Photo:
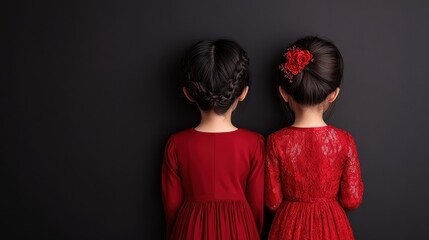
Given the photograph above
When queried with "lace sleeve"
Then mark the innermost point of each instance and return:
(172, 192)
(273, 190)
(351, 187)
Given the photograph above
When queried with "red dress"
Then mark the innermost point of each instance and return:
(312, 176)
(213, 185)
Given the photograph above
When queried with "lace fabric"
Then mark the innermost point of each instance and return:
(312, 175)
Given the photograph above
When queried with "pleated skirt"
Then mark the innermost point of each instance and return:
(213, 220)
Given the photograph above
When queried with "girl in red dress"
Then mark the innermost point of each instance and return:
(213, 174)
(312, 170)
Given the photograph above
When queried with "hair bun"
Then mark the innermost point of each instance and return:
(316, 80)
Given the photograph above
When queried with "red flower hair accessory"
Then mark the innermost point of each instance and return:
(296, 60)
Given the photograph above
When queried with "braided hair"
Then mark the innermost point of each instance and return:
(215, 74)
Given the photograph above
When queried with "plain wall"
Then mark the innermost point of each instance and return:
(90, 93)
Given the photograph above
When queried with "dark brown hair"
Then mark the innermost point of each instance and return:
(320, 77)
(215, 73)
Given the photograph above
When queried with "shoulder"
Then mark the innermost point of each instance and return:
(345, 139)
(342, 133)
(249, 138)
(279, 134)
(250, 134)
(181, 134)
(252, 142)
(178, 137)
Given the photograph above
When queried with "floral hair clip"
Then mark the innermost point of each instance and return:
(296, 60)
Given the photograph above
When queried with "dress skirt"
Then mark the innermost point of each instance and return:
(315, 220)
(219, 219)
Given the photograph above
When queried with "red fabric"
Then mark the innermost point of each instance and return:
(312, 175)
(213, 185)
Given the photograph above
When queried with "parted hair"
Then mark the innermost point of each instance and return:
(215, 74)
(320, 77)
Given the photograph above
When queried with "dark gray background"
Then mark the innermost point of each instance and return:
(89, 95)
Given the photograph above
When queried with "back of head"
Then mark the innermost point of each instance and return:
(215, 74)
(320, 77)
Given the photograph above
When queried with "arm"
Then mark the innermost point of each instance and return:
(273, 190)
(255, 184)
(172, 192)
(351, 186)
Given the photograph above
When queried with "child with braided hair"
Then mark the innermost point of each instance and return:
(212, 175)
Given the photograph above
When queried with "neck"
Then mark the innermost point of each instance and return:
(212, 122)
(309, 116)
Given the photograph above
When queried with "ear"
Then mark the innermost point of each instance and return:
(187, 95)
(333, 95)
(243, 94)
(284, 95)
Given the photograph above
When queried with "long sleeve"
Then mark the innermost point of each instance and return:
(351, 186)
(273, 189)
(255, 184)
(172, 191)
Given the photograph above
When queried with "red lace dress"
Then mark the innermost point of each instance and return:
(213, 185)
(312, 176)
